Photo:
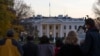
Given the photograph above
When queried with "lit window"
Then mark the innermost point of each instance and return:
(50, 34)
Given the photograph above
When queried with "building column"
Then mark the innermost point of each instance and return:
(54, 32)
(48, 30)
(61, 30)
(41, 32)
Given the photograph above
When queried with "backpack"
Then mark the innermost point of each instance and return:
(8, 49)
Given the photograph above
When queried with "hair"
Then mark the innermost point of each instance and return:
(59, 43)
(90, 22)
(44, 40)
(29, 38)
(10, 33)
(71, 38)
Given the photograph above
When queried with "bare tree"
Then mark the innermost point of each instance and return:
(22, 9)
(96, 8)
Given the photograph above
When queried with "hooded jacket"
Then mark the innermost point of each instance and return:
(10, 47)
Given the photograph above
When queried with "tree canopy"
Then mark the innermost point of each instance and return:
(10, 13)
(6, 16)
(22, 9)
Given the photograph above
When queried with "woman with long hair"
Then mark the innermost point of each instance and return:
(70, 48)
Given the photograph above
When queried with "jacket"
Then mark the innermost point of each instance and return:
(91, 45)
(30, 49)
(70, 50)
(45, 50)
(10, 47)
(56, 50)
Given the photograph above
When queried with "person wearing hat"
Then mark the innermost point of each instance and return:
(9, 46)
(30, 49)
(91, 45)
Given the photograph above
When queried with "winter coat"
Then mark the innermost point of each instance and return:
(45, 50)
(30, 49)
(70, 50)
(91, 45)
(10, 47)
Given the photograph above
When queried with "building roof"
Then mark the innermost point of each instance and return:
(59, 19)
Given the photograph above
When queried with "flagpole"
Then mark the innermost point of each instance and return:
(49, 9)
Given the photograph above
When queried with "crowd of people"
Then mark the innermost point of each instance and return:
(67, 47)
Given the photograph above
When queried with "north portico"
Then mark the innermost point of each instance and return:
(51, 30)
(55, 26)
(51, 27)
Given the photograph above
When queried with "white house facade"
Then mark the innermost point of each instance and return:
(55, 26)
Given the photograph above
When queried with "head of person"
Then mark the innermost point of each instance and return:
(10, 33)
(90, 23)
(29, 38)
(71, 38)
(59, 43)
(44, 40)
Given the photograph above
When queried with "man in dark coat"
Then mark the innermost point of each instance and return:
(91, 45)
(30, 49)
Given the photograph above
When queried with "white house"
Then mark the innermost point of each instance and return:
(55, 26)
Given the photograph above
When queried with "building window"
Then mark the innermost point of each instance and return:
(64, 34)
(76, 27)
(50, 27)
(70, 27)
(35, 27)
(56, 34)
(64, 26)
(44, 33)
(50, 34)
(43, 27)
(57, 27)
